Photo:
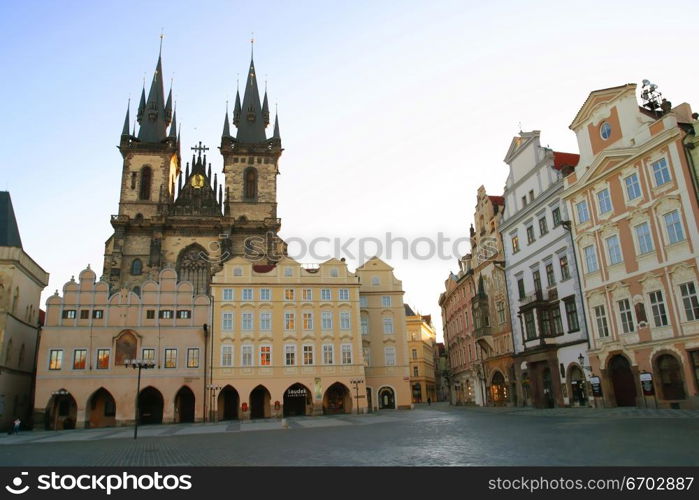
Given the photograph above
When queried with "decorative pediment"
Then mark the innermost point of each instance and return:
(519, 144)
(606, 161)
(598, 102)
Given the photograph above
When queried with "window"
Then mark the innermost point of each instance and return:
(327, 354)
(530, 235)
(556, 214)
(583, 214)
(250, 189)
(346, 350)
(308, 321)
(375, 281)
(674, 227)
(343, 294)
(601, 319)
(150, 314)
(565, 270)
(531, 195)
(365, 325)
(367, 356)
(327, 320)
(69, 314)
(515, 244)
(289, 354)
(136, 267)
(529, 325)
(625, 314)
(97, 314)
(363, 301)
(165, 314)
(170, 358)
(55, 359)
(247, 295)
(415, 371)
(226, 355)
(388, 325)
(289, 321)
(689, 300)
(389, 355)
(520, 288)
(184, 314)
(414, 352)
(237, 271)
(556, 322)
(550, 276)
(246, 355)
(193, 357)
(148, 354)
(645, 242)
(658, 307)
(591, 259)
(265, 355)
(386, 301)
(605, 131)
(500, 306)
(633, 187)
(307, 354)
(84, 314)
(572, 315)
(537, 282)
(102, 359)
(288, 272)
(265, 294)
(325, 294)
(227, 294)
(79, 359)
(661, 172)
(289, 294)
(307, 294)
(227, 323)
(344, 320)
(246, 321)
(543, 228)
(334, 273)
(265, 321)
(524, 201)
(604, 201)
(613, 249)
(144, 191)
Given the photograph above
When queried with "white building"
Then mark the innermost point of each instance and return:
(548, 325)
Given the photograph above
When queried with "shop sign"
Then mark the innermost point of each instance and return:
(647, 384)
(596, 387)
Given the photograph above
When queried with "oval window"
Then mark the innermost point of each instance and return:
(605, 130)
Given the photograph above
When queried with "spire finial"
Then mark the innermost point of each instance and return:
(252, 44)
(160, 52)
(237, 82)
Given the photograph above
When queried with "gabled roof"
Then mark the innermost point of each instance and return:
(561, 160)
(597, 97)
(9, 232)
(497, 200)
(408, 310)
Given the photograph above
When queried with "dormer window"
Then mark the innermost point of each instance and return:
(605, 130)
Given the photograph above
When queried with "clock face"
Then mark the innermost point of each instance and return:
(198, 181)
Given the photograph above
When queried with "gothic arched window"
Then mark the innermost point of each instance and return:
(146, 177)
(193, 266)
(136, 267)
(250, 182)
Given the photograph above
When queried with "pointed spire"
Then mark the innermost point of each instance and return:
(125, 129)
(215, 182)
(173, 126)
(236, 109)
(265, 108)
(251, 129)
(276, 126)
(226, 126)
(154, 121)
(168, 106)
(141, 105)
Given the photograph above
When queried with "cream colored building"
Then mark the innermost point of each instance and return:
(421, 346)
(21, 283)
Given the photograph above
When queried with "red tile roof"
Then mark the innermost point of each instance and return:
(561, 160)
(263, 268)
(497, 200)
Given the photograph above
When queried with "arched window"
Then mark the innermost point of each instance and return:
(136, 267)
(250, 181)
(146, 177)
(193, 266)
(137, 290)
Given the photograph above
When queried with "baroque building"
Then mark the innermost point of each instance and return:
(636, 228)
(421, 346)
(545, 298)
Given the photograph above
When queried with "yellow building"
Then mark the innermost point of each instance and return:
(421, 346)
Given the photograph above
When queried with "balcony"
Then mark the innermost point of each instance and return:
(482, 332)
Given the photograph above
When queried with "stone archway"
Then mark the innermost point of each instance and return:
(622, 379)
(387, 398)
(62, 411)
(337, 399)
(259, 402)
(576, 379)
(101, 409)
(184, 405)
(228, 403)
(669, 375)
(297, 401)
(150, 405)
(498, 389)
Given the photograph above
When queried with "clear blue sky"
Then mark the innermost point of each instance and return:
(392, 113)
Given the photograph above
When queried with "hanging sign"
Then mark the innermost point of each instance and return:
(647, 384)
(596, 387)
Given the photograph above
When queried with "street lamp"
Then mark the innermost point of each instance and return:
(356, 382)
(141, 364)
(212, 394)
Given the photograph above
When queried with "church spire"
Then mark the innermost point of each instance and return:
(226, 126)
(141, 105)
(173, 126)
(265, 109)
(236, 109)
(276, 127)
(125, 129)
(168, 106)
(251, 127)
(154, 120)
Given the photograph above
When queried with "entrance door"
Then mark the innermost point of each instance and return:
(417, 393)
(259, 402)
(498, 391)
(150, 404)
(369, 402)
(387, 399)
(228, 402)
(670, 373)
(577, 386)
(622, 381)
(548, 387)
(296, 400)
(184, 405)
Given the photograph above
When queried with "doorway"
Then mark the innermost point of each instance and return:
(259, 402)
(228, 403)
(622, 381)
(184, 405)
(297, 399)
(387, 399)
(150, 404)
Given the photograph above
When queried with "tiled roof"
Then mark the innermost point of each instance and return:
(497, 200)
(561, 160)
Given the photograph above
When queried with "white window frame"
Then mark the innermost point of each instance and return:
(265, 321)
(246, 355)
(644, 239)
(677, 233)
(289, 349)
(247, 321)
(227, 355)
(247, 295)
(326, 319)
(328, 354)
(345, 320)
(385, 301)
(614, 250)
(227, 295)
(591, 258)
(604, 201)
(580, 209)
(346, 354)
(227, 321)
(265, 294)
(389, 356)
(632, 185)
(308, 350)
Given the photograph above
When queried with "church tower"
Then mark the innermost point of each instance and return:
(182, 218)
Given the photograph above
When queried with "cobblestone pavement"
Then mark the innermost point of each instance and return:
(436, 435)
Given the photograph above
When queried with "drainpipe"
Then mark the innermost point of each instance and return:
(206, 344)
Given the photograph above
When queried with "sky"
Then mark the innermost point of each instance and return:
(392, 114)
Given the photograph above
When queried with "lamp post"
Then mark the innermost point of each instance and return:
(58, 395)
(212, 394)
(356, 382)
(141, 364)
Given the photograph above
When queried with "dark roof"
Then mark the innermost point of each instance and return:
(497, 200)
(251, 126)
(263, 268)
(561, 160)
(408, 310)
(9, 232)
